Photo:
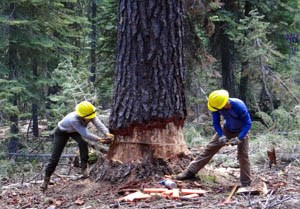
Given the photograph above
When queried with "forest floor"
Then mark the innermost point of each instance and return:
(275, 187)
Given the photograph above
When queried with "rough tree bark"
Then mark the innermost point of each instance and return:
(149, 103)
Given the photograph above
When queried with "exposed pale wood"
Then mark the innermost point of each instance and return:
(191, 196)
(134, 196)
(171, 138)
(175, 194)
(193, 191)
(248, 190)
(154, 190)
(168, 192)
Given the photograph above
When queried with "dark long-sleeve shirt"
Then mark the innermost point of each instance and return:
(237, 118)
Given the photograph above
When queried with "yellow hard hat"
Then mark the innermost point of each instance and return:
(217, 100)
(86, 110)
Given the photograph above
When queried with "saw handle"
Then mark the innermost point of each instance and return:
(234, 141)
(105, 140)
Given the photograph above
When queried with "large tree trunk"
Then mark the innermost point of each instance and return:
(149, 109)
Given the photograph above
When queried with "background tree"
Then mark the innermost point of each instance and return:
(34, 37)
(245, 71)
(224, 47)
(106, 50)
(149, 103)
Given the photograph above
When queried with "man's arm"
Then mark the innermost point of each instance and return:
(246, 125)
(216, 123)
(100, 126)
(84, 132)
(245, 118)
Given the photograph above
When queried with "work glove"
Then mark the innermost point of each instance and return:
(109, 136)
(222, 140)
(234, 141)
(105, 141)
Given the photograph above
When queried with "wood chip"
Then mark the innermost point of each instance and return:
(248, 190)
(155, 190)
(175, 194)
(191, 196)
(134, 196)
(193, 191)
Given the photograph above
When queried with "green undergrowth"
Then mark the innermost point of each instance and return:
(195, 134)
(284, 143)
(207, 178)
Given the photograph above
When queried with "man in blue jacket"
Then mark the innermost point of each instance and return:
(237, 123)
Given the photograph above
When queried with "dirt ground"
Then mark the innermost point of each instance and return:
(276, 187)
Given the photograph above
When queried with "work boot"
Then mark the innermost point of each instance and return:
(85, 170)
(44, 185)
(186, 174)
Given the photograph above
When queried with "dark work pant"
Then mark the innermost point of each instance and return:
(60, 141)
(213, 147)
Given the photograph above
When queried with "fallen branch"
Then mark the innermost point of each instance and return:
(280, 202)
(16, 186)
(39, 156)
(268, 199)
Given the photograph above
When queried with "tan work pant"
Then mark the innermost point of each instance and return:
(213, 147)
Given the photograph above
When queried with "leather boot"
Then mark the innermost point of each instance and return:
(186, 174)
(44, 185)
(85, 170)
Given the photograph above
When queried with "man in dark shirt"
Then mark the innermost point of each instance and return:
(237, 123)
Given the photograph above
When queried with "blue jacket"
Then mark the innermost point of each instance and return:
(237, 118)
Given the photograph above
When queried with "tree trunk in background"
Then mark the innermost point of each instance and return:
(35, 120)
(227, 54)
(93, 61)
(244, 81)
(245, 65)
(228, 78)
(13, 118)
(13, 138)
(34, 105)
(149, 102)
